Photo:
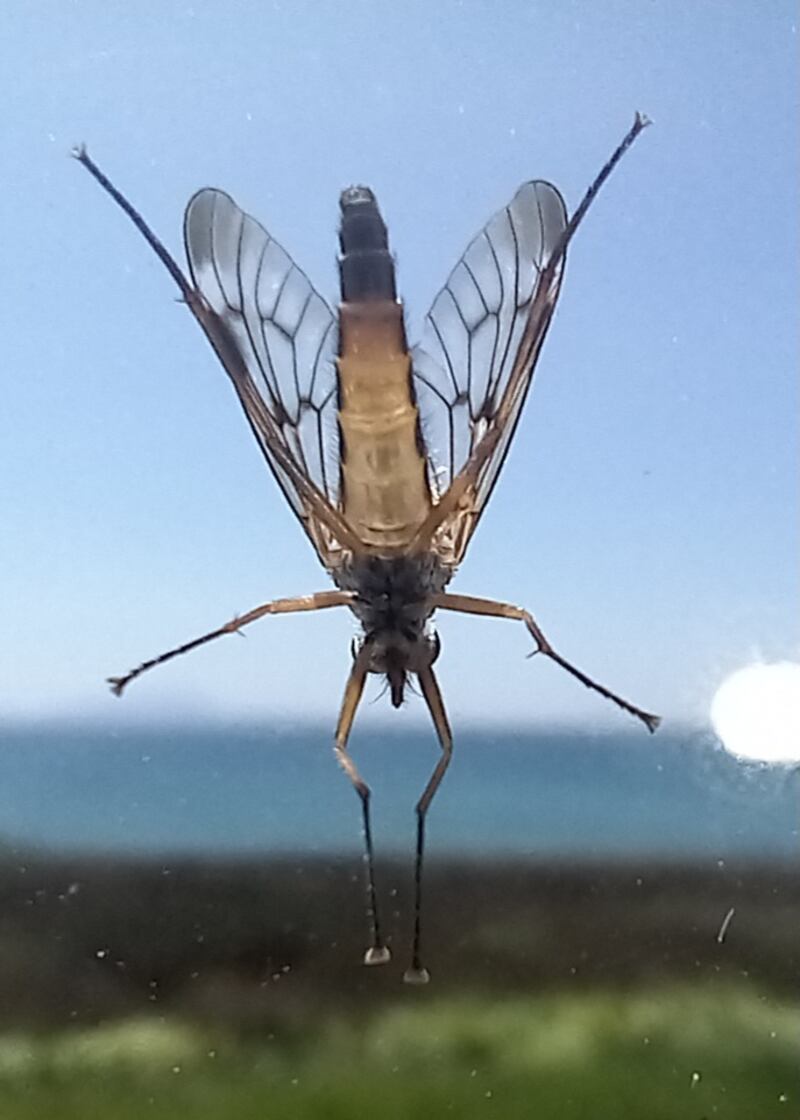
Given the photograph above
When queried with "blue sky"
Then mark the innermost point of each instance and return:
(647, 514)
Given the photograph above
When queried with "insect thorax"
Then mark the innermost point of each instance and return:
(393, 594)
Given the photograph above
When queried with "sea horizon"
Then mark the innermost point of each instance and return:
(246, 788)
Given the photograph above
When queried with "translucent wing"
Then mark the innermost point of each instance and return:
(482, 336)
(286, 337)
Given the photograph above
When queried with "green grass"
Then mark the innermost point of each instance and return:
(664, 1054)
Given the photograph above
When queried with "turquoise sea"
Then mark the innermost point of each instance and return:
(248, 790)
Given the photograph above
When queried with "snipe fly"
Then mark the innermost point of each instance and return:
(387, 455)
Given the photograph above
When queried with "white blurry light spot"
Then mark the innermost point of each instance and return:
(756, 712)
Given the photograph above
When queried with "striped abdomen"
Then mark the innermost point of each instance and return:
(385, 492)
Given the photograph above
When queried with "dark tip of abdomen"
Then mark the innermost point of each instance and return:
(362, 227)
(356, 196)
(366, 265)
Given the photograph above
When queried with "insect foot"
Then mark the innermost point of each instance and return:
(378, 954)
(416, 975)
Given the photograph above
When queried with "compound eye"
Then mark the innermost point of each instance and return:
(355, 647)
(435, 646)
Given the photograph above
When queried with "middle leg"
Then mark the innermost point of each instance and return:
(470, 604)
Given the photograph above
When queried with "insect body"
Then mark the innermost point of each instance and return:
(384, 489)
(386, 455)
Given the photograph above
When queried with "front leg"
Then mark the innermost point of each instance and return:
(469, 604)
(377, 953)
(416, 973)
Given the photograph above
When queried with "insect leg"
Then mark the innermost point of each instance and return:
(469, 604)
(315, 602)
(163, 254)
(377, 953)
(417, 973)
